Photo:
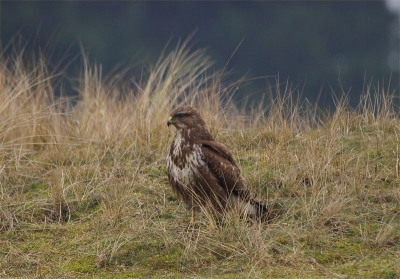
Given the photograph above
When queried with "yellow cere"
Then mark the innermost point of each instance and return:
(170, 118)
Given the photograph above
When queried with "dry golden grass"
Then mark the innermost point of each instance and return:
(83, 188)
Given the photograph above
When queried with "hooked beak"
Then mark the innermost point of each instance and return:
(169, 122)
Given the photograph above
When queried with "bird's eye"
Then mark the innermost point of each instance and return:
(179, 115)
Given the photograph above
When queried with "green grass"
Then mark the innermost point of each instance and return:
(84, 192)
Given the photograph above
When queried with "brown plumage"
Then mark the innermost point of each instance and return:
(202, 172)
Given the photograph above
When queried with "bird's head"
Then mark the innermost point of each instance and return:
(185, 117)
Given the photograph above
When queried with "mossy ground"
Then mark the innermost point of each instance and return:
(132, 225)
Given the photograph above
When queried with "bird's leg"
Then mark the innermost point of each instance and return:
(189, 219)
(192, 221)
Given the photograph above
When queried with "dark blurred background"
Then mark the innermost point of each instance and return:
(311, 44)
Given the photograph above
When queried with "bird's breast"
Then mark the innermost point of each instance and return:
(184, 160)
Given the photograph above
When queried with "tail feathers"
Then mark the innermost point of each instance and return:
(254, 209)
(263, 212)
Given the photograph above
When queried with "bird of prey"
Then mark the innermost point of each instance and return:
(202, 171)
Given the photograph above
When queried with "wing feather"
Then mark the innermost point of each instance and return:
(221, 163)
(220, 149)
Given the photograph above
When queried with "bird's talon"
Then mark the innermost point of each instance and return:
(210, 228)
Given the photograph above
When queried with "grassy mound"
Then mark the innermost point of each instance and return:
(84, 193)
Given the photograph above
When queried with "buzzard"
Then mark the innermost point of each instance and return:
(202, 171)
